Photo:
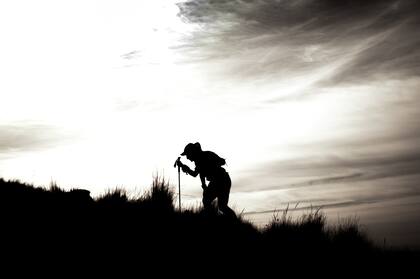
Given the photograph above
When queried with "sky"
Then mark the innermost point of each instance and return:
(312, 103)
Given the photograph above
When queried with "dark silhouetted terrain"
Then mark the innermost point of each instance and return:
(57, 227)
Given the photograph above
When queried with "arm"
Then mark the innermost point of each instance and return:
(203, 182)
(194, 173)
(187, 170)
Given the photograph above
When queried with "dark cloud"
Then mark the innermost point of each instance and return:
(16, 138)
(328, 180)
(325, 17)
(379, 35)
(285, 14)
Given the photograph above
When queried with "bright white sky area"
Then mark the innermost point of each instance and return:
(307, 108)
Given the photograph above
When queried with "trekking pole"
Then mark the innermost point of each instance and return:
(177, 162)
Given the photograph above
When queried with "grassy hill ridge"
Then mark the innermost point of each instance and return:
(113, 226)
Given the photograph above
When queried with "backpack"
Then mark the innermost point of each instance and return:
(214, 159)
(221, 162)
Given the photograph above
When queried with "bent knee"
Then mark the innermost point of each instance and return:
(207, 202)
(224, 208)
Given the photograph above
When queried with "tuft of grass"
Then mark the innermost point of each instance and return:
(54, 188)
(305, 232)
(349, 234)
(113, 197)
(161, 196)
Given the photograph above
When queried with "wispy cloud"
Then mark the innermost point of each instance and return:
(325, 170)
(27, 137)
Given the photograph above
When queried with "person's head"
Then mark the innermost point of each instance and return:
(192, 150)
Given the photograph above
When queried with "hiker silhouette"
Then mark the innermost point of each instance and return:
(209, 166)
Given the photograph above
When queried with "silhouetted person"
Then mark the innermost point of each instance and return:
(209, 166)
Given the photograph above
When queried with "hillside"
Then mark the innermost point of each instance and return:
(70, 225)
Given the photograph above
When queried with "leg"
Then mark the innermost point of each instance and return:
(222, 201)
(223, 198)
(208, 197)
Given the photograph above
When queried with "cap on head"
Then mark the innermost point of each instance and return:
(191, 148)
